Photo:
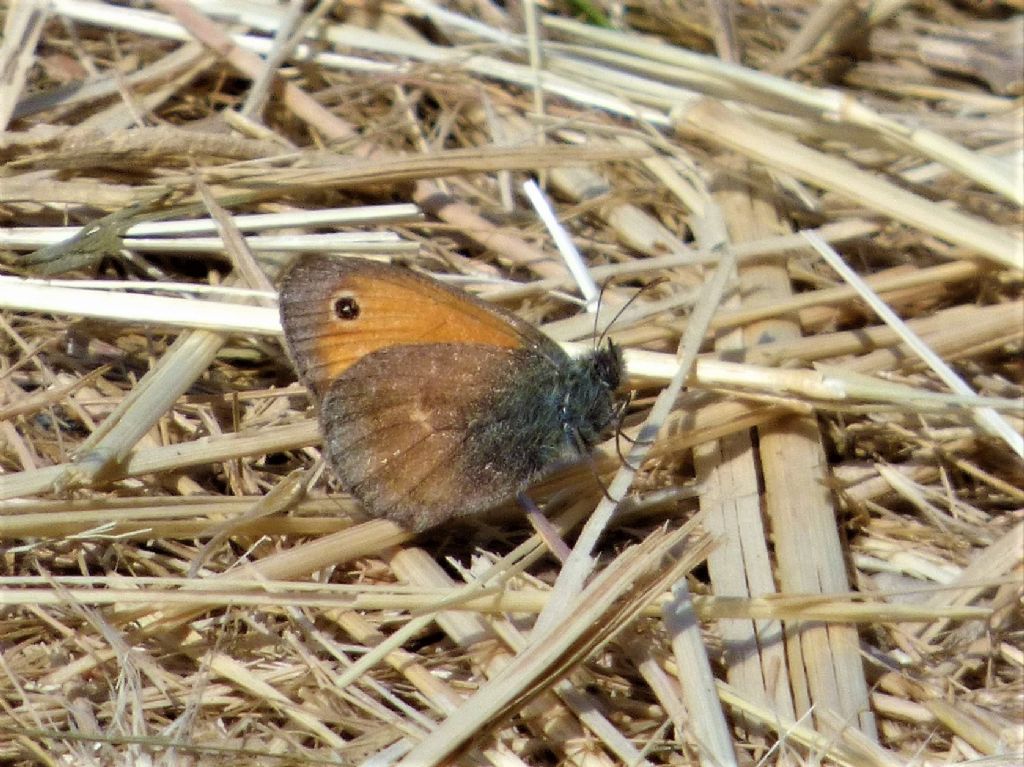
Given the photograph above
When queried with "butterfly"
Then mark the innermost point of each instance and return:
(432, 403)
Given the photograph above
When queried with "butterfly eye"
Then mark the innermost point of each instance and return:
(346, 307)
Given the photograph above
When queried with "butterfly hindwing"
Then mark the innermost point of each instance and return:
(427, 432)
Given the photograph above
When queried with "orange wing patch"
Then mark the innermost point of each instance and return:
(335, 312)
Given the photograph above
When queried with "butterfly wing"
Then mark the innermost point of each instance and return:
(336, 311)
(433, 403)
(426, 432)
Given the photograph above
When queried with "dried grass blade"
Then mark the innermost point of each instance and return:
(606, 606)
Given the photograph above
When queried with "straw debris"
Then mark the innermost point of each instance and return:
(813, 554)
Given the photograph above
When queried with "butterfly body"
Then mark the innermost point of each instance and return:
(432, 403)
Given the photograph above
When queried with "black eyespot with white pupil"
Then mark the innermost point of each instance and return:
(346, 307)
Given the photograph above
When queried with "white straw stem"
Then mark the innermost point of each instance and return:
(564, 243)
(987, 418)
(23, 295)
(39, 236)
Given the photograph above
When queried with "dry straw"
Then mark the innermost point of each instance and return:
(803, 545)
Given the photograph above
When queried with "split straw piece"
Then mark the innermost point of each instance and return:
(830, 104)
(713, 121)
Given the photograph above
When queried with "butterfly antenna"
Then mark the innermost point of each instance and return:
(623, 308)
(597, 312)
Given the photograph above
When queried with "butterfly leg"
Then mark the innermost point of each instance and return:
(542, 525)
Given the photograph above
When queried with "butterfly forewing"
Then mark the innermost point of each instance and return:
(335, 312)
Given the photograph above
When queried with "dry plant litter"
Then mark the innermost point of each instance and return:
(813, 552)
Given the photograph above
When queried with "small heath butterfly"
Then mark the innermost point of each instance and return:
(434, 404)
